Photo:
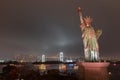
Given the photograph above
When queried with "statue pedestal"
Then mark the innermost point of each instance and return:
(93, 70)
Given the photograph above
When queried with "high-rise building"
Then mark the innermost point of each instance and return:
(43, 58)
(61, 57)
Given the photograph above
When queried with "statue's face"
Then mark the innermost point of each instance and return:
(88, 20)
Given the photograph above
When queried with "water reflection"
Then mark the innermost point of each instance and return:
(63, 68)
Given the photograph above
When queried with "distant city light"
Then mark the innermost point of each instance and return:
(43, 58)
(2, 61)
(69, 61)
(61, 56)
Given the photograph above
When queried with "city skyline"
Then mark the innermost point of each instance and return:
(49, 27)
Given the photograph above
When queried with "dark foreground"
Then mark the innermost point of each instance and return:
(26, 73)
(30, 73)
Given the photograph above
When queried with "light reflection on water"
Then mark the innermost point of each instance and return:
(61, 67)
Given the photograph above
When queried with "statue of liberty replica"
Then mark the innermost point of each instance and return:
(90, 38)
(91, 69)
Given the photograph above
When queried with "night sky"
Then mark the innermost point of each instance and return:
(49, 26)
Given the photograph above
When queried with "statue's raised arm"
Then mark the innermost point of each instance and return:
(82, 24)
(80, 14)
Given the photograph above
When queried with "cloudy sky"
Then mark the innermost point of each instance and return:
(49, 26)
